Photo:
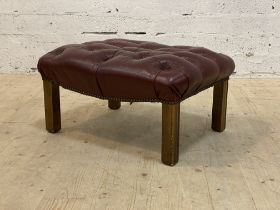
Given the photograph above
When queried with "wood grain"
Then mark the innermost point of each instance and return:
(106, 159)
(170, 133)
(52, 106)
(219, 109)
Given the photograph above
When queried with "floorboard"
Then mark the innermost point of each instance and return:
(106, 159)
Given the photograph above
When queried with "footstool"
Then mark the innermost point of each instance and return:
(137, 71)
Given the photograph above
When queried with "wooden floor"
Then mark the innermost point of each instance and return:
(105, 159)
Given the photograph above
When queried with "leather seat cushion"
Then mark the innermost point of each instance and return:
(131, 70)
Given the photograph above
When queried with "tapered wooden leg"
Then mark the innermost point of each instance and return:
(52, 106)
(114, 104)
(170, 133)
(219, 106)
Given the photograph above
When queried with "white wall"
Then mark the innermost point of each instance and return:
(249, 31)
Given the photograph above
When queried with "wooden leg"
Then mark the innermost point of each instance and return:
(52, 106)
(114, 104)
(219, 106)
(170, 133)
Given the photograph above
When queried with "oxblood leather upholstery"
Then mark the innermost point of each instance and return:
(131, 70)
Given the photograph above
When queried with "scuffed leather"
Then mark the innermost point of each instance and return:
(131, 70)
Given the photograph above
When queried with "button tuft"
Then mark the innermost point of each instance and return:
(164, 65)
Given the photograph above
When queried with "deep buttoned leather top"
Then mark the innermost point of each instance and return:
(130, 70)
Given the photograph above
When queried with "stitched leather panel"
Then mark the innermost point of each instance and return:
(135, 70)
